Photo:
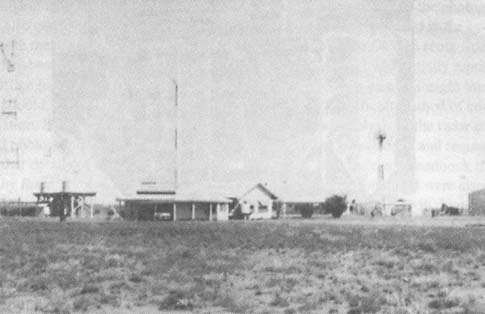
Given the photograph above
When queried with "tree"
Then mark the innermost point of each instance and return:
(335, 205)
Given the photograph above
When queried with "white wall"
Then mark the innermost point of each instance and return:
(222, 212)
(250, 203)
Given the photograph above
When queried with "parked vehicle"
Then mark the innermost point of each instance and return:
(164, 216)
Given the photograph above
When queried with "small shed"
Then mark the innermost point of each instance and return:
(258, 203)
(476, 203)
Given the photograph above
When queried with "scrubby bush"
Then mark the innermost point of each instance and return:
(335, 205)
(306, 210)
(371, 303)
(443, 303)
(176, 300)
(81, 304)
(89, 288)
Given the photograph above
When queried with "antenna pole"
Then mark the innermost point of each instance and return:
(175, 174)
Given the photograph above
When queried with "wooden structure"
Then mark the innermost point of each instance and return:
(66, 203)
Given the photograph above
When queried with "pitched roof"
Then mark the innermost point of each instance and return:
(263, 189)
(220, 192)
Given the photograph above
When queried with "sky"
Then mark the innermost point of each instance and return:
(249, 78)
(285, 92)
(280, 92)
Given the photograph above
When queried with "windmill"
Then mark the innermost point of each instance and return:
(381, 137)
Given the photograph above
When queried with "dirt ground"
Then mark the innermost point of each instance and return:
(350, 265)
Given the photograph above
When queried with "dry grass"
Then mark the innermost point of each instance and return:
(258, 267)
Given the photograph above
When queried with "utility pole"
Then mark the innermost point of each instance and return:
(175, 174)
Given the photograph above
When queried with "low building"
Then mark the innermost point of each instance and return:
(476, 203)
(171, 206)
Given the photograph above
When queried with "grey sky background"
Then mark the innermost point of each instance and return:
(286, 92)
(249, 75)
(258, 82)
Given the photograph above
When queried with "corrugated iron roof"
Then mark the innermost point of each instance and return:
(222, 191)
(178, 198)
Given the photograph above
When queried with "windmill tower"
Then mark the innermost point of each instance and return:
(381, 137)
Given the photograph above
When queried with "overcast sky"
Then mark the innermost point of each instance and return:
(280, 91)
(259, 83)
(250, 87)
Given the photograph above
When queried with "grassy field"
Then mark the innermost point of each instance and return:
(292, 266)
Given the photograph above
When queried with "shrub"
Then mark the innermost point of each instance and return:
(306, 210)
(335, 205)
(279, 301)
(135, 278)
(443, 303)
(109, 299)
(176, 300)
(39, 283)
(81, 304)
(289, 311)
(89, 288)
(371, 303)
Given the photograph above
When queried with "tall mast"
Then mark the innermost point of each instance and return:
(175, 173)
